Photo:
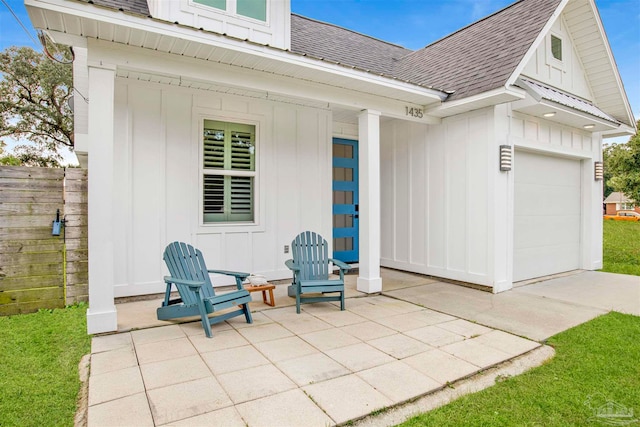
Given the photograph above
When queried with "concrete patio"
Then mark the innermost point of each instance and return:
(327, 367)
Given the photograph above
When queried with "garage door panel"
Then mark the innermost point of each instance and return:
(547, 215)
(545, 260)
(546, 170)
(562, 230)
(545, 199)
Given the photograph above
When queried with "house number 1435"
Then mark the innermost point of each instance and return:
(414, 112)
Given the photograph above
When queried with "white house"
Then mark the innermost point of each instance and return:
(234, 125)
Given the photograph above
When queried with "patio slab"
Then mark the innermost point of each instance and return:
(330, 366)
(289, 409)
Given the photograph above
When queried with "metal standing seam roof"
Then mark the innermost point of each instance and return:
(563, 98)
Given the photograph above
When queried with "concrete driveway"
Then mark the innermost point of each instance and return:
(537, 310)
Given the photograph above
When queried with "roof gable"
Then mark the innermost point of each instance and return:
(617, 197)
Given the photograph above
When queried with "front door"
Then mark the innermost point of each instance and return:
(345, 200)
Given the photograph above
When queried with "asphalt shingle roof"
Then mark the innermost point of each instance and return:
(336, 44)
(473, 60)
(482, 56)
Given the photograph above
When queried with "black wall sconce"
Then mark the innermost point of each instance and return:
(598, 171)
(506, 155)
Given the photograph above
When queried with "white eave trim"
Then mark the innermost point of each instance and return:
(152, 25)
(493, 97)
(622, 130)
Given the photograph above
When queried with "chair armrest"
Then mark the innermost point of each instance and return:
(193, 284)
(230, 273)
(341, 265)
(240, 277)
(291, 265)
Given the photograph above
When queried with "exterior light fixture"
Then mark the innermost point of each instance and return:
(549, 114)
(598, 170)
(505, 157)
(590, 126)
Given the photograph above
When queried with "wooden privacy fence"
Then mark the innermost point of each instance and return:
(39, 270)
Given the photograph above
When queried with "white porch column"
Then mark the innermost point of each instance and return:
(101, 316)
(369, 279)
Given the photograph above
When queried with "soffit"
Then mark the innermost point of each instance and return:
(590, 42)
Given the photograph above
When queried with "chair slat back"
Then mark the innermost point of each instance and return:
(186, 262)
(311, 255)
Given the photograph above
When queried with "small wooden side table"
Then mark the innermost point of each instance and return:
(264, 288)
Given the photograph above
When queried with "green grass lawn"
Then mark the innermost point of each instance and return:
(39, 355)
(621, 247)
(597, 360)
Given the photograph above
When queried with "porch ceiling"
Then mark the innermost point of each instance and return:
(88, 21)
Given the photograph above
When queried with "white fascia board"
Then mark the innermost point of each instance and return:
(493, 97)
(156, 26)
(623, 130)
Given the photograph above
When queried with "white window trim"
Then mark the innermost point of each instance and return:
(259, 220)
(551, 60)
(231, 11)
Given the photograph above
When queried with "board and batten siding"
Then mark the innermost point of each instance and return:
(157, 184)
(567, 74)
(435, 197)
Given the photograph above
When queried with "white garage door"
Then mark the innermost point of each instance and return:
(547, 215)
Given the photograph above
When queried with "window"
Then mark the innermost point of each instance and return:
(556, 47)
(228, 172)
(256, 9)
(218, 4)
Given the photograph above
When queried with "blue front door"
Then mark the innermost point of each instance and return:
(345, 200)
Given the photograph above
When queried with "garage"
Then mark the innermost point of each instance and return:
(547, 215)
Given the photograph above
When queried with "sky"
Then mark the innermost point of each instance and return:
(414, 24)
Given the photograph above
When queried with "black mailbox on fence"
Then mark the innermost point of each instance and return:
(57, 224)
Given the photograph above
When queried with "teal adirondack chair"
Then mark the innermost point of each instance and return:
(310, 267)
(197, 297)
